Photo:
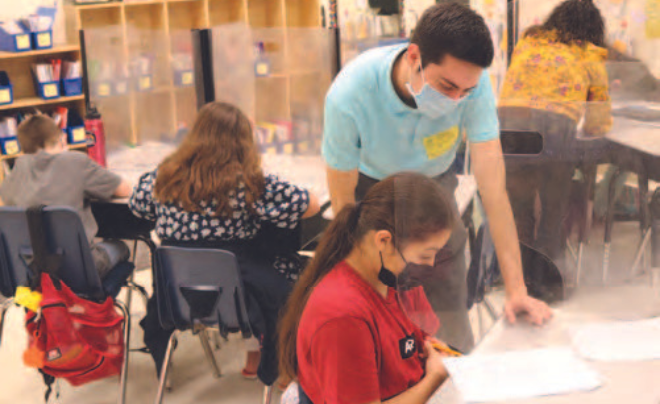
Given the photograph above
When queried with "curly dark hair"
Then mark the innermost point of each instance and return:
(575, 21)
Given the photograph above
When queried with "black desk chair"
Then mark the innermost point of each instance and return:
(65, 235)
(198, 290)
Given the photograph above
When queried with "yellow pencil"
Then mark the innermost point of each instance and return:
(445, 349)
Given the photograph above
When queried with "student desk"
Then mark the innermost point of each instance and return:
(635, 148)
(623, 382)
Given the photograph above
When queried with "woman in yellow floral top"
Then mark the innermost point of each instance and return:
(557, 76)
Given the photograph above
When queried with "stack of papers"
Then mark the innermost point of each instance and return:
(619, 341)
(521, 374)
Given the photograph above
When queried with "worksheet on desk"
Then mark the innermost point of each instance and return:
(521, 374)
(619, 340)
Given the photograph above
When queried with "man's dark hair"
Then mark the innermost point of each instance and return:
(575, 21)
(451, 28)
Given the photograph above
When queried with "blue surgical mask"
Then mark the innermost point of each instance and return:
(430, 101)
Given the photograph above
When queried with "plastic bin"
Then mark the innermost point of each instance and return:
(15, 42)
(42, 39)
(71, 87)
(9, 145)
(6, 89)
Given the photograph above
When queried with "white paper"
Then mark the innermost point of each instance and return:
(521, 374)
(619, 340)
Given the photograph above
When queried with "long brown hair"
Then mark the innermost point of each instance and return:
(410, 206)
(217, 156)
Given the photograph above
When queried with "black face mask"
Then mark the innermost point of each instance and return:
(385, 275)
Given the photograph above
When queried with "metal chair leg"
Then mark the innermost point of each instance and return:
(641, 252)
(578, 273)
(4, 306)
(166, 368)
(127, 344)
(490, 310)
(204, 339)
(268, 394)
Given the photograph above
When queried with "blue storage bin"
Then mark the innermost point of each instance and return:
(15, 43)
(71, 87)
(184, 78)
(6, 89)
(9, 145)
(42, 39)
(48, 90)
(76, 135)
(145, 83)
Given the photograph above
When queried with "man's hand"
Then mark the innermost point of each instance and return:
(534, 311)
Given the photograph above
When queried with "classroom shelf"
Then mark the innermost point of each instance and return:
(14, 156)
(36, 102)
(159, 30)
(55, 50)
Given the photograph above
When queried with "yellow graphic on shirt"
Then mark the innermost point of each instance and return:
(440, 143)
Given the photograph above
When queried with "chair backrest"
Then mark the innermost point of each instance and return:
(14, 242)
(521, 143)
(179, 269)
(482, 265)
(66, 235)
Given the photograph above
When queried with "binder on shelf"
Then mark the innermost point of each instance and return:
(6, 89)
(75, 130)
(71, 87)
(18, 42)
(42, 39)
(8, 142)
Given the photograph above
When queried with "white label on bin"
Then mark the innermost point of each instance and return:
(104, 90)
(262, 69)
(22, 42)
(43, 40)
(145, 82)
(5, 96)
(79, 135)
(271, 150)
(11, 147)
(187, 78)
(288, 148)
(50, 90)
(303, 146)
(121, 87)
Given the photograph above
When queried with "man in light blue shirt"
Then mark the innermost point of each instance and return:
(405, 108)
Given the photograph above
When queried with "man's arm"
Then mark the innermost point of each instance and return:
(341, 185)
(488, 166)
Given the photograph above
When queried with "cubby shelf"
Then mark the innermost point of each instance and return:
(161, 28)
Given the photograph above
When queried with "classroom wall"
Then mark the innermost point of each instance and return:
(10, 9)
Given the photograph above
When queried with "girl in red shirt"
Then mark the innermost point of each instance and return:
(344, 335)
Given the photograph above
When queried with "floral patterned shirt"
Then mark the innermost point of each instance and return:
(282, 204)
(566, 79)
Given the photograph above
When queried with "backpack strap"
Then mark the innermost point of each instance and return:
(42, 259)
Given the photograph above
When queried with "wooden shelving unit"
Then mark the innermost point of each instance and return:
(121, 32)
(18, 66)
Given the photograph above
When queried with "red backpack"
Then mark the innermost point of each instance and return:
(76, 339)
(70, 337)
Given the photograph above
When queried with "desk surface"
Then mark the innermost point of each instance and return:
(641, 136)
(633, 382)
(306, 171)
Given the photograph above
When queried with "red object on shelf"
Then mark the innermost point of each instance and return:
(94, 128)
